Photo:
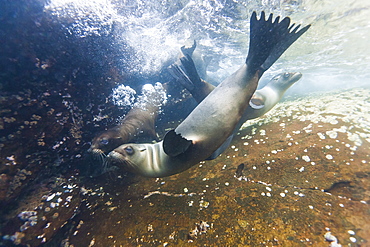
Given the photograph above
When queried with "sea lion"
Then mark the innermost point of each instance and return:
(213, 121)
(200, 60)
(261, 102)
(136, 122)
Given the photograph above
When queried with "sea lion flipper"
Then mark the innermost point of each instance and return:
(269, 40)
(178, 73)
(186, 73)
(174, 144)
(189, 50)
(188, 67)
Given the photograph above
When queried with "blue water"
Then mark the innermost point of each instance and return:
(147, 35)
(94, 48)
(333, 54)
(104, 44)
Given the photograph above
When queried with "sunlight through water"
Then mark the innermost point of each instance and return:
(333, 54)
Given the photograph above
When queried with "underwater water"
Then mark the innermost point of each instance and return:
(71, 69)
(334, 50)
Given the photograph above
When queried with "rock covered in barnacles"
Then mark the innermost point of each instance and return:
(200, 228)
(38, 225)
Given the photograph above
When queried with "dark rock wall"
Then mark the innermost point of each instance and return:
(52, 86)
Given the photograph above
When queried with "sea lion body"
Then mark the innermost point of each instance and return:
(266, 98)
(213, 121)
(261, 102)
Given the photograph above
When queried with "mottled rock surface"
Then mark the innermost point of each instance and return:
(306, 171)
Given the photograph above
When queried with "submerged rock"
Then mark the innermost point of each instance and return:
(44, 215)
(279, 204)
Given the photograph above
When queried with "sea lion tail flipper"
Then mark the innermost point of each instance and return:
(269, 39)
(180, 75)
(186, 73)
(188, 66)
(177, 69)
(174, 144)
(189, 50)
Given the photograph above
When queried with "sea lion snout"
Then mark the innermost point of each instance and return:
(94, 150)
(296, 76)
(114, 157)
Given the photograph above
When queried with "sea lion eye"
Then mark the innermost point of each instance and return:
(286, 75)
(129, 150)
(104, 141)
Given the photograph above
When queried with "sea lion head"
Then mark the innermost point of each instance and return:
(131, 157)
(283, 81)
(264, 99)
(102, 144)
(106, 141)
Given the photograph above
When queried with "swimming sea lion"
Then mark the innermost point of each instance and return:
(213, 121)
(261, 102)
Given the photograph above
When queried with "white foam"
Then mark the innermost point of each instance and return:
(123, 96)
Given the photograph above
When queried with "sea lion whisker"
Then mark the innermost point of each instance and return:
(105, 165)
(103, 158)
(126, 163)
(95, 152)
(98, 156)
(106, 168)
(130, 163)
